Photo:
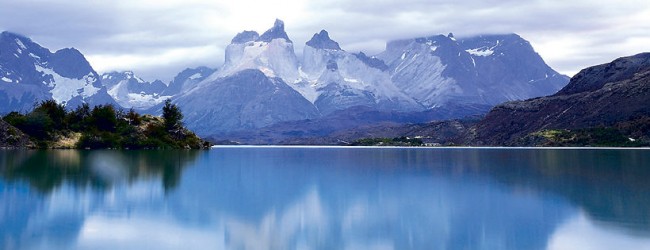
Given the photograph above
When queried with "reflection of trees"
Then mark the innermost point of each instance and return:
(610, 185)
(46, 170)
(166, 164)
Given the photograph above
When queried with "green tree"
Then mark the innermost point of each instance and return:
(78, 119)
(15, 119)
(104, 118)
(56, 112)
(38, 125)
(172, 116)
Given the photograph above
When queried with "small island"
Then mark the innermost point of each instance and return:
(51, 126)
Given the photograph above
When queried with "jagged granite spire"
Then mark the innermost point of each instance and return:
(276, 32)
(245, 36)
(322, 40)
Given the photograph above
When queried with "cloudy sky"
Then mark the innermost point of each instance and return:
(158, 38)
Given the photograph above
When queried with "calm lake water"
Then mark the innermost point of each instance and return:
(326, 198)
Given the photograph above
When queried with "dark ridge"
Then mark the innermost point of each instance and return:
(372, 62)
(276, 32)
(322, 40)
(245, 36)
(596, 77)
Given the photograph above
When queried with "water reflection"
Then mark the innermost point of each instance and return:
(46, 170)
(289, 198)
(610, 185)
(46, 196)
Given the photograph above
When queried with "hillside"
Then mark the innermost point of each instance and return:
(609, 96)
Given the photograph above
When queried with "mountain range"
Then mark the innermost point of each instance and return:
(264, 84)
(602, 105)
(30, 73)
(430, 76)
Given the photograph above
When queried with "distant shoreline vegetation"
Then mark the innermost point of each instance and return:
(585, 137)
(50, 126)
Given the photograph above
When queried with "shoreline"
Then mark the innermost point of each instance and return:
(399, 147)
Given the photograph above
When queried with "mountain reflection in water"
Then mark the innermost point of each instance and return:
(331, 198)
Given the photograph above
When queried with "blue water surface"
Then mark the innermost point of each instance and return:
(325, 198)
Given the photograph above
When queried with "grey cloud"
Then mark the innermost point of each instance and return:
(58, 23)
(130, 28)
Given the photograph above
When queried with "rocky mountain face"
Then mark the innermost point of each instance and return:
(333, 79)
(611, 94)
(440, 69)
(245, 100)
(30, 73)
(186, 80)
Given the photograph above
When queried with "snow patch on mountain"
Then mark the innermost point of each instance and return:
(306, 86)
(64, 89)
(21, 45)
(131, 91)
(120, 92)
(481, 51)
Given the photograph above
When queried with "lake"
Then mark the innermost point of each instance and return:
(326, 198)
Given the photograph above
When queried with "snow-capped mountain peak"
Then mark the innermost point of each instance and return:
(131, 91)
(37, 74)
(272, 53)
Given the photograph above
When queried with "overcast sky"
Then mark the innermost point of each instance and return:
(158, 38)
